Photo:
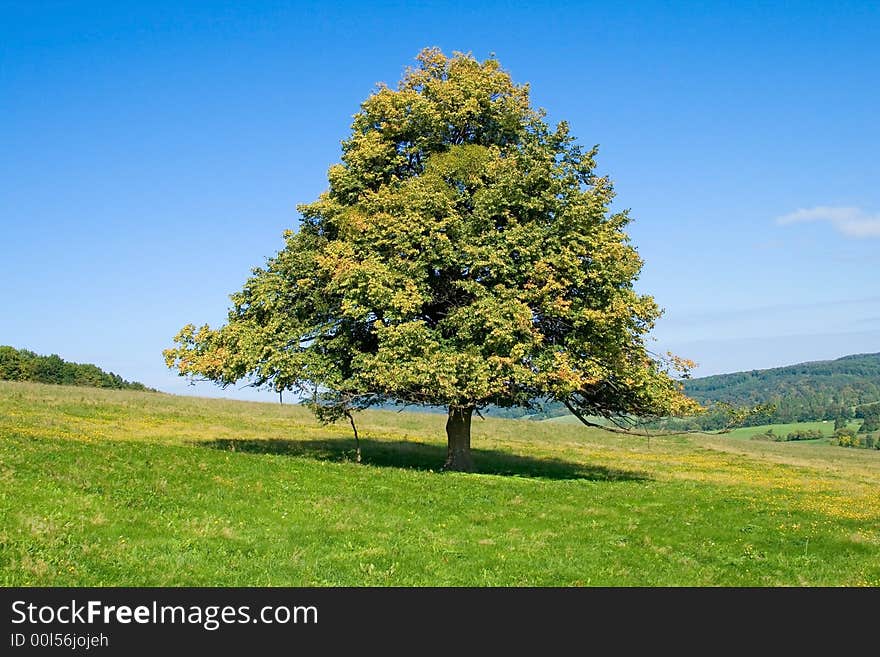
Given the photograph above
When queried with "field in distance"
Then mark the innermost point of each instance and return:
(124, 488)
(826, 427)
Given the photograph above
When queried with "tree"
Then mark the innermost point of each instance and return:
(49, 369)
(465, 254)
(871, 419)
(10, 364)
(739, 416)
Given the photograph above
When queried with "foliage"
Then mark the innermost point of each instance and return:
(24, 365)
(871, 416)
(797, 434)
(742, 416)
(805, 434)
(767, 435)
(465, 255)
(845, 437)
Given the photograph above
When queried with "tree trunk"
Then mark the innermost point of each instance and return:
(458, 433)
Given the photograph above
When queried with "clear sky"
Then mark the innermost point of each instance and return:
(151, 153)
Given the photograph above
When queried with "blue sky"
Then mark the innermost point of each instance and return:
(152, 153)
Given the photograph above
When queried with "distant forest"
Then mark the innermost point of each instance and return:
(847, 388)
(23, 365)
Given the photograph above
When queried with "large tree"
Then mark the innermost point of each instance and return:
(464, 255)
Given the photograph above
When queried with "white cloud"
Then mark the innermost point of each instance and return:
(852, 222)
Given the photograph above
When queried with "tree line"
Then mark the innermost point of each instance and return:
(24, 365)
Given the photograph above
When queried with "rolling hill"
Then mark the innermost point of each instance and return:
(125, 488)
(816, 390)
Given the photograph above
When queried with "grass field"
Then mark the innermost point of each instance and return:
(127, 488)
(826, 427)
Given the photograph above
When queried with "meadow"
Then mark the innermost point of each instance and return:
(126, 488)
(824, 426)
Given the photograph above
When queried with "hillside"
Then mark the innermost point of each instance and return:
(806, 391)
(112, 487)
(816, 390)
(849, 380)
(24, 365)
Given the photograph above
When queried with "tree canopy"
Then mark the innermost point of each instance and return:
(465, 254)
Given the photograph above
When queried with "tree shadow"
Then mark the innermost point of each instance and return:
(420, 456)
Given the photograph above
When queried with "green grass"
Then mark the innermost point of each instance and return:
(826, 427)
(106, 488)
